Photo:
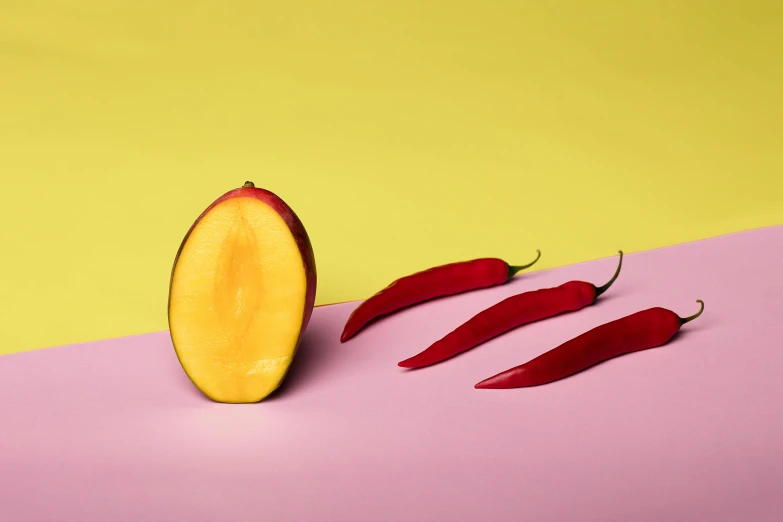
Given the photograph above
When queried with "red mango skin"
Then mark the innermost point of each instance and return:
(440, 281)
(294, 225)
(506, 315)
(646, 329)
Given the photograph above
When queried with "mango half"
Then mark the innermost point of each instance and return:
(241, 294)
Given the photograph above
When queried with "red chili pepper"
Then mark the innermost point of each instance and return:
(440, 281)
(640, 331)
(508, 314)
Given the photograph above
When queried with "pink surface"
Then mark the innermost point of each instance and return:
(114, 431)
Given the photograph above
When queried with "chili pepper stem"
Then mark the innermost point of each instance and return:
(684, 320)
(601, 289)
(512, 270)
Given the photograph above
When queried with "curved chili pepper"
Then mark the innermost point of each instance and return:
(440, 281)
(640, 331)
(511, 313)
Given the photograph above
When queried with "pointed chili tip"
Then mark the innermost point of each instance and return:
(684, 320)
(512, 270)
(483, 385)
(491, 383)
(417, 361)
(601, 289)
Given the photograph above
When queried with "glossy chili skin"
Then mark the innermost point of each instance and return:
(508, 314)
(440, 281)
(646, 329)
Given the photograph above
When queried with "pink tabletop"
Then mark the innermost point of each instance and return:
(692, 431)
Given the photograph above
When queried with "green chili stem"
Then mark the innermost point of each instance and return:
(248, 184)
(514, 269)
(601, 289)
(684, 320)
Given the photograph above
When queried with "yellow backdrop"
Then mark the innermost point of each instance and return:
(405, 134)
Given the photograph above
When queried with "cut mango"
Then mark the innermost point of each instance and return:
(241, 294)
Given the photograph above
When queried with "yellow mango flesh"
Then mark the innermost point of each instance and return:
(237, 301)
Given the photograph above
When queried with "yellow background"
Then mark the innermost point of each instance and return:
(405, 134)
